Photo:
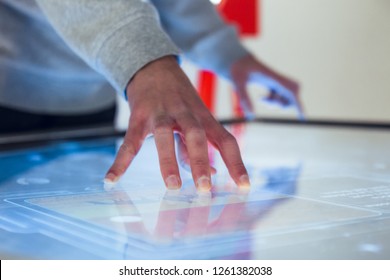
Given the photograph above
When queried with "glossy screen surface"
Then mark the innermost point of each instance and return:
(317, 193)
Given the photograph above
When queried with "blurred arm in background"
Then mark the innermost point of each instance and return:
(199, 31)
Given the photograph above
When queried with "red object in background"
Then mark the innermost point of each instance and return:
(207, 83)
(243, 14)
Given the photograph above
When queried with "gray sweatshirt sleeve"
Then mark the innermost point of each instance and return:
(196, 27)
(115, 37)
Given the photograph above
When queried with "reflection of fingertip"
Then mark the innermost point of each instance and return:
(172, 193)
(110, 181)
(108, 185)
(243, 191)
(203, 198)
(203, 191)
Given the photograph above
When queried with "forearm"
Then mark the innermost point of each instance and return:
(115, 37)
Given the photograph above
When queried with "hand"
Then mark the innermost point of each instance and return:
(162, 101)
(283, 91)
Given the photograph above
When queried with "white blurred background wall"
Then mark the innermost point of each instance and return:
(339, 50)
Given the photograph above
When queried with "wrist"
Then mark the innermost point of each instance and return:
(154, 67)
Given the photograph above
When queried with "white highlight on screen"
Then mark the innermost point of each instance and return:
(372, 248)
(216, 2)
(125, 219)
(32, 181)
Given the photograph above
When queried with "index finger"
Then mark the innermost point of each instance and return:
(128, 150)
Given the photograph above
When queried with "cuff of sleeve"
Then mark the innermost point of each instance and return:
(130, 48)
(218, 51)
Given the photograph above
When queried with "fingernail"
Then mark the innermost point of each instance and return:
(244, 182)
(111, 178)
(203, 184)
(172, 182)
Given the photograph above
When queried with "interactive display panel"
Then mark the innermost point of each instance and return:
(317, 193)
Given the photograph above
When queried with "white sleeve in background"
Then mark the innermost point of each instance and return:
(115, 37)
(198, 30)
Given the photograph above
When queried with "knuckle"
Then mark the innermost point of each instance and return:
(188, 119)
(162, 119)
(162, 122)
(118, 169)
(197, 139)
(112, 170)
(239, 167)
(181, 109)
(139, 115)
(182, 112)
(167, 162)
(226, 139)
(199, 163)
(196, 131)
(161, 130)
(128, 148)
